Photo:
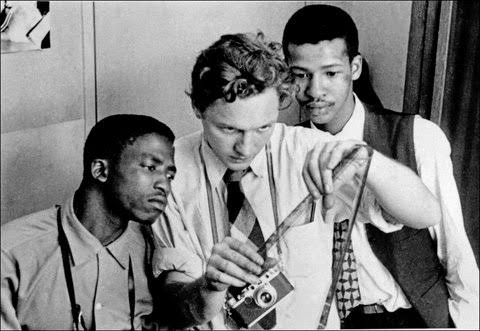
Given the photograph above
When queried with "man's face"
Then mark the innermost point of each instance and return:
(139, 182)
(325, 76)
(237, 131)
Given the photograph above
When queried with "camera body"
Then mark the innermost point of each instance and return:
(257, 300)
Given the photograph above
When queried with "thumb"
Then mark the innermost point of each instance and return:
(328, 201)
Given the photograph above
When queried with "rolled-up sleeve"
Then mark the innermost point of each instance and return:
(9, 319)
(174, 249)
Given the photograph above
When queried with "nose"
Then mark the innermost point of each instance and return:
(245, 144)
(162, 183)
(316, 87)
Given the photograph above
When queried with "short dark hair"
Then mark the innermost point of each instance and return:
(315, 23)
(112, 134)
(238, 65)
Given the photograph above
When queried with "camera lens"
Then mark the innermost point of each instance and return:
(265, 296)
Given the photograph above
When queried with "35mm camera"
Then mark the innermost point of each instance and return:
(257, 300)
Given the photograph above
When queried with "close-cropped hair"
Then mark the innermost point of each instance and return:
(315, 23)
(112, 134)
(238, 66)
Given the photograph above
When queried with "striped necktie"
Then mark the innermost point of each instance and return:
(242, 217)
(240, 213)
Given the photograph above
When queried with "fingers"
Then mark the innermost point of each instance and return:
(308, 173)
(269, 263)
(312, 173)
(233, 263)
(319, 165)
(328, 201)
(316, 173)
(220, 281)
(244, 249)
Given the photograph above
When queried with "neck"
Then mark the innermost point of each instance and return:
(90, 207)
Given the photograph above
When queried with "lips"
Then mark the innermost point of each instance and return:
(319, 105)
(159, 201)
(239, 158)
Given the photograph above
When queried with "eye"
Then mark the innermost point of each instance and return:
(170, 175)
(301, 75)
(149, 167)
(331, 73)
(264, 128)
(228, 130)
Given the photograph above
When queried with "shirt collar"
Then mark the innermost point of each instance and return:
(259, 163)
(353, 129)
(85, 246)
(216, 168)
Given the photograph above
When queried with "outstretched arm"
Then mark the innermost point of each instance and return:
(400, 192)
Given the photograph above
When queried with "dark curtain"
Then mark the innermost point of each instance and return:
(460, 110)
(422, 47)
(460, 118)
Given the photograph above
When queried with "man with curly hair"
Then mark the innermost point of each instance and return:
(241, 175)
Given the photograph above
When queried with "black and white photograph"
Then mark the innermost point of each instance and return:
(233, 165)
(25, 25)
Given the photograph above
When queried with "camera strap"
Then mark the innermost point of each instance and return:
(77, 315)
(338, 266)
(67, 258)
(273, 194)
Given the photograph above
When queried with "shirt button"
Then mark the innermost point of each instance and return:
(98, 306)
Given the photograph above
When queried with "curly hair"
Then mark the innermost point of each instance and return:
(239, 65)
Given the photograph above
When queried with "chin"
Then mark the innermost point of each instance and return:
(321, 119)
(144, 221)
(237, 166)
(148, 218)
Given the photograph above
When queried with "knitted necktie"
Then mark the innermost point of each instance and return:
(242, 217)
(347, 291)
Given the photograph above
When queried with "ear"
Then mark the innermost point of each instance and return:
(99, 170)
(356, 66)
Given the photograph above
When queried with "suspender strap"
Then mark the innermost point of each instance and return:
(211, 207)
(273, 193)
(66, 257)
(338, 266)
(131, 293)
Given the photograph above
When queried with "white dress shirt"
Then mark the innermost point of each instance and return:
(186, 234)
(434, 166)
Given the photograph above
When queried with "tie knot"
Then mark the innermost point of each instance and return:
(234, 175)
